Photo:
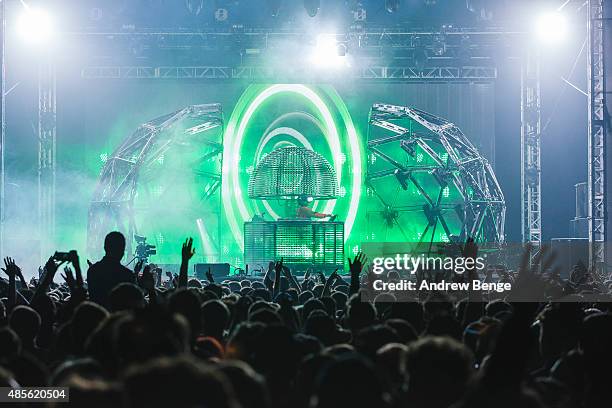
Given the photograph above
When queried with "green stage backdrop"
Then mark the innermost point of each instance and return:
(328, 118)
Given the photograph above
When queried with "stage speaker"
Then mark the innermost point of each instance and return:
(219, 270)
(568, 252)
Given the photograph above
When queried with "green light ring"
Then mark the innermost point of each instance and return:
(235, 133)
(356, 154)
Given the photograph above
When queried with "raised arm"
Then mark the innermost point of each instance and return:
(50, 269)
(355, 267)
(11, 270)
(187, 252)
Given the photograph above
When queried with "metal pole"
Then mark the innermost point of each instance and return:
(2, 118)
(531, 204)
(596, 136)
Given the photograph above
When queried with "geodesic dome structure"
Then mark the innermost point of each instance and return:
(289, 172)
(428, 182)
(164, 177)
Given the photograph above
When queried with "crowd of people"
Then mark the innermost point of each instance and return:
(132, 338)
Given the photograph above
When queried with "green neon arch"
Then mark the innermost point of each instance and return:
(251, 100)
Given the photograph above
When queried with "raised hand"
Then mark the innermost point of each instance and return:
(188, 250)
(321, 276)
(11, 268)
(69, 278)
(78, 293)
(209, 276)
(356, 265)
(278, 267)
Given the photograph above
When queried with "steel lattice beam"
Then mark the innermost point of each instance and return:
(531, 204)
(46, 156)
(596, 134)
(472, 73)
(2, 118)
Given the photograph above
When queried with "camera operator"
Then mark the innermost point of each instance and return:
(107, 273)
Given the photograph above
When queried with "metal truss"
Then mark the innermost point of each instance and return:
(597, 134)
(2, 118)
(483, 210)
(46, 156)
(531, 204)
(472, 73)
(112, 205)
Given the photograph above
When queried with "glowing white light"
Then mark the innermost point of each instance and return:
(35, 26)
(326, 52)
(551, 27)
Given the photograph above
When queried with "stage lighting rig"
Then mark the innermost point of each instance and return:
(409, 146)
(358, 11)
(439, 45)
(329, 52)
(551, 27)
(274, 6)
(392, 5)
(420, 58)
(312, 7)
(221, 14)
(194, 6)
(35, 25)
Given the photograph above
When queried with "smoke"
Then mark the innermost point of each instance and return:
(24, 237)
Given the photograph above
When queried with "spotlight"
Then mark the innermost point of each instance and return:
(409, 146)
(442, 176)
(35, 26)
(194, 6)
(328, 52)
(221, 14)
(551, 27)
(402, 178)
(274, 6)
(438, 45)
(312, 7)
(392, 5)
(420, 58)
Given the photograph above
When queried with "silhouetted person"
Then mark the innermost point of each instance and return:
(104, 275)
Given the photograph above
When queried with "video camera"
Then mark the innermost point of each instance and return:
(143, 250)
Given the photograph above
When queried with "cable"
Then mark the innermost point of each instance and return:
(562, 91)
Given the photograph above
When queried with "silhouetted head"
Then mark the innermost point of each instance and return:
(303, 200)
(215, 318)
(438, 363)
(10, 344)
(351, 372)
(158, 383)
(126, 296)
(250, 387)
(25, 321)
(114, 245)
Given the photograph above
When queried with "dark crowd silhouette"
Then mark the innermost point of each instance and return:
(148, 338)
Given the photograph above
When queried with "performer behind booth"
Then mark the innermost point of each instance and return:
(305, 212)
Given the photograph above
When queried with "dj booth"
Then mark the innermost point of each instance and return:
(301, 244)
